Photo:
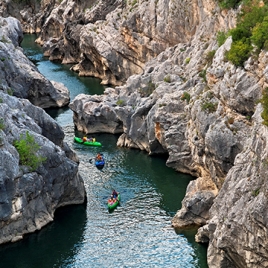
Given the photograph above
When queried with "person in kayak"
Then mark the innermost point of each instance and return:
(115, 194)
(99, 157)
(111, 201)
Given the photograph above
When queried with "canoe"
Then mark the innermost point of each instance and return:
(89, 143)
(115, 204)
(100, 163)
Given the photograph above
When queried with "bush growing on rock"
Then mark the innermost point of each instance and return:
(239, 52)
(221, 38)
(27, 149)
(264, 102)
(186, 96)
(2, 125)
(251, 30)
(209, 107)
(229, 3)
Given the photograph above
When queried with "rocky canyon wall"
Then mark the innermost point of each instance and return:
(176, 95)
(29, 197)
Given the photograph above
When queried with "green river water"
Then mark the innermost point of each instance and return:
(136, 234)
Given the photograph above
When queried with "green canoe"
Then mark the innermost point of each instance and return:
(115, 204)
(89, 143)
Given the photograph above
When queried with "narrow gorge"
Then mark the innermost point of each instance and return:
(170, 91)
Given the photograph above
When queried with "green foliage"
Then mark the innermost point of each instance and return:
(210, 55)
(203, 74)
(239, 52)
(186, 96)
(27, 149)
(167, 79)
(228, 4)
(187, 60)
(2, 125)
(120, 102)
(209, 107)
(252, 28)
(4, 40)
(264, 102)
(260, 34)
(256, 192)
(145, 92)
(151, 87)
(221, 38)
(10, 92)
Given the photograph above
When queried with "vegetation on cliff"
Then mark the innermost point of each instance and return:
(251, 33)
(27, 148)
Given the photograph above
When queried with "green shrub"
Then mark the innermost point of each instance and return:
(2, 125)
(221, 38)
(239, 52)
(203, 74)
(27, 149)
(10, 92)
(167, 79)
(260, 34)
(186, 96)
(120, 102)
(210, 55)
(251, 29)
(256, 192)
(151, 87)
(187, 60)
(228, 4)
(264, 102)
(209, 107)
(145, 92)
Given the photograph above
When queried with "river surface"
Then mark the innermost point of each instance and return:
(136, 234)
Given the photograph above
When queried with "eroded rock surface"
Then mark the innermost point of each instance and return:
(30, 198)
(19, 76)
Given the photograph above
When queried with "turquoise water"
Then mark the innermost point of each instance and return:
(136, 234)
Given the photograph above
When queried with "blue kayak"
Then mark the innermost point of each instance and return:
(100, 163)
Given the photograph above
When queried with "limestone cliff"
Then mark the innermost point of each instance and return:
(19, 76)
(183, 99)
(29, 197)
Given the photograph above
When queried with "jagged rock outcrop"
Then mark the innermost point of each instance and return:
(187, 102)
(203, 120)
(113, 40)
(19, 76)
(29, 198)
(238, 215)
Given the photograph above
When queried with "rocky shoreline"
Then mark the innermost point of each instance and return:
(174, 94)
(29, 197)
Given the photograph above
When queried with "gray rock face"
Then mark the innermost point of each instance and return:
(209, 136)
(181, 103)
(92, 117)
(114, 39)
(29, 198)
(238, 215)
(19, 76)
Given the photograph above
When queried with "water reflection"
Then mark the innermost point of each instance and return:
(59, 241)
(138, 233)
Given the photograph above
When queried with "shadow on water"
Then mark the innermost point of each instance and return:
(199, 248)
(52, 246)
